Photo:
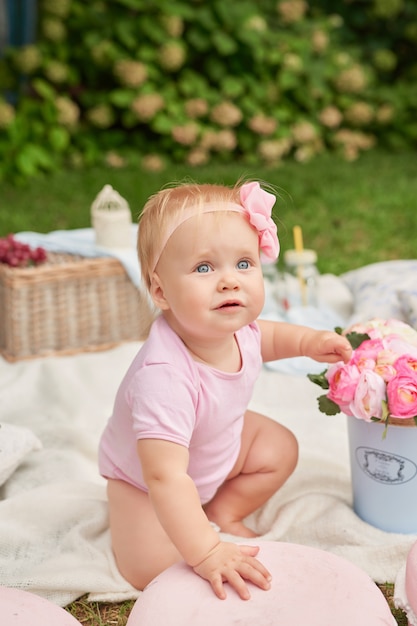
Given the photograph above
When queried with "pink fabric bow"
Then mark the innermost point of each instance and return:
(258, 204)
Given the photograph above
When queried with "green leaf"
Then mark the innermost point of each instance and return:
(192, 84)
(44, 89)
(182, 10)
(148, 55)
(287, 80)
(41, 156)
(59, 138)
(121, 97)
(125, 35)
(32, 158)
(204, 16)
(198, 39)
(224, 44)
(129, 119)
(216, 69)
(355, 339)
(232, 86)
(132, 4)
(319, 379)
(327, 406)
(25, 164)
(152, 29)
(162, 124)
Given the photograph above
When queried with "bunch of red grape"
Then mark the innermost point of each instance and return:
(18, 254)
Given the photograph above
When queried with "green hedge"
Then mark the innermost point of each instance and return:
(119, 81)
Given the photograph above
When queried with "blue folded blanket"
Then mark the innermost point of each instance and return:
(82, 241)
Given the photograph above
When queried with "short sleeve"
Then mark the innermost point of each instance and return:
(163, 403)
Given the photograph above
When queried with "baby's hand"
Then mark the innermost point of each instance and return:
(232, 563)
(327, 346)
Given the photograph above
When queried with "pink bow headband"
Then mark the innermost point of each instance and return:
(256, 204)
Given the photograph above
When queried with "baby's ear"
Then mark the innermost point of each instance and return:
(157, 292)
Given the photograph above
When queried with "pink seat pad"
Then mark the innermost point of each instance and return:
(411, 579)
(309, 586)
(21, 608)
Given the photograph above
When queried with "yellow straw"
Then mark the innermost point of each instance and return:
(299, 247)
(298, 238)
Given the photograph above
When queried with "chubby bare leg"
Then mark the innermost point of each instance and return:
(268, 456)
(141, 547)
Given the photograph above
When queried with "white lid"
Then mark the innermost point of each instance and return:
(110, 201)
(302, 257)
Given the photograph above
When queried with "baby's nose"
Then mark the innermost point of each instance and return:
(229, 280)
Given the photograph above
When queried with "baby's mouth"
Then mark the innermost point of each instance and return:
(230, 304)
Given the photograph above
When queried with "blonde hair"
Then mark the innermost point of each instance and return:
(164, 208)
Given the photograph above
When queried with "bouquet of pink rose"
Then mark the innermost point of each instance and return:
(380, 380)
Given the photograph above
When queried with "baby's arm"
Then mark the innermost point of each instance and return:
(177, 505)
(281, 340)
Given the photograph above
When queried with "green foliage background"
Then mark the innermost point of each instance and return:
(192, 81)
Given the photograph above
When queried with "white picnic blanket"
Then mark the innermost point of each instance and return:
(54, 536)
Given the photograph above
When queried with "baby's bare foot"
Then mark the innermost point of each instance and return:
(238, 529)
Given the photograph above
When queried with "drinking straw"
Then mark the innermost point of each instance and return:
(299, 247)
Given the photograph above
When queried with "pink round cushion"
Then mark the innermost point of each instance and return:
(21, 608)
(309, 586)
(411, 578)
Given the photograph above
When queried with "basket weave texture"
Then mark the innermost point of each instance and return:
(67, 305)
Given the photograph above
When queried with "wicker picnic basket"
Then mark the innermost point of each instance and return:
(69, 304)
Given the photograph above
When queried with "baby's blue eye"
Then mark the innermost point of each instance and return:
(243, 265)
(204, 268)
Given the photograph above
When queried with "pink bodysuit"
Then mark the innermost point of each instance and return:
(167, 395)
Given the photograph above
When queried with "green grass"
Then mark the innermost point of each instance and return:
(351, 213)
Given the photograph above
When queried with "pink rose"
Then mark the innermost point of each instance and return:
(365, 356)
(369, 396)
(380, 379)
(359, 327)
(399, 345)
(402, 388)
(342, 379)
(406, 362)
(385, 365)
(375, 328)
(379, 328)
(403, 330)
